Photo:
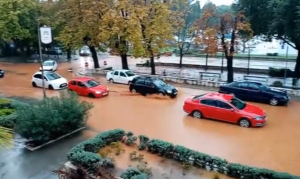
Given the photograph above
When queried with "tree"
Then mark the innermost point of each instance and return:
(6, 137)
(184, 14)
(278, 19)
(225, 24)
(82, 19)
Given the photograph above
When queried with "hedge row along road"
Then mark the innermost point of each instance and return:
(273, 146)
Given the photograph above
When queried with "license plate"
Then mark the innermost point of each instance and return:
(104, 94)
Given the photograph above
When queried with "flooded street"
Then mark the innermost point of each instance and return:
(274, 146)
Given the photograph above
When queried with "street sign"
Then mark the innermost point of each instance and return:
(46, 36)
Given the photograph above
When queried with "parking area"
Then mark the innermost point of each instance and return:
(274, 146)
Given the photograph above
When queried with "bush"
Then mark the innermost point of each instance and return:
(6, 112)
(52, 117)
(85, 153)
(8, 121)
(282, 72)
(133, 174)
(277, 84)
(5, 103)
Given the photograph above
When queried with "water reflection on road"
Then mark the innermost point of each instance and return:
(275, 146)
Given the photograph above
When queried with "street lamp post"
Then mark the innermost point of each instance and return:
(248, 70)
(41, 58)
(286, 63)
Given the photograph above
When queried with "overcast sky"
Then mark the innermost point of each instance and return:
(217, 2)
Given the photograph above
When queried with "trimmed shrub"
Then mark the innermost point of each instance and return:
(277, 84)
(85, 153)
(52, 117)
(280, 72)
(133, 174)
(8, 121)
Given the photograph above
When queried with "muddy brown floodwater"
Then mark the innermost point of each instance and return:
(275, 146)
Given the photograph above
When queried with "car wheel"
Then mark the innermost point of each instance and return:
(133, 91)
(50, 87)
(111, 80)
(33, 84)
(244, 123)
(173, 96)
(274, 102)
(197, 114)
(91, 95)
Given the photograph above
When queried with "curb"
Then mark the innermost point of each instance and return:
(51, 141)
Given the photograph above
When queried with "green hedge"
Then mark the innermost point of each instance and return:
(85, 153)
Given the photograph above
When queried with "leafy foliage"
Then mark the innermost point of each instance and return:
(6, 137)
(52, 117)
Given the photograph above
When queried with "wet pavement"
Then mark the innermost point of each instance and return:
(274, 146)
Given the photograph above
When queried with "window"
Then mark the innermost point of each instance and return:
(48, 63)
(209, 102)
(140, 82)
(159, 83)
(129, 73)
(235, 84)
(116, 73)
(224, 105)
(253, 86)
(122, 74)
(148, 83)
(80, 84)
(238, 103)
(92, 83)
(243, 85)
(198, 96)
(39, 76)
(73, 82)
(52, 76)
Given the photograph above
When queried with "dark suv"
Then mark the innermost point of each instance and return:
(151, 85)
(1, 73)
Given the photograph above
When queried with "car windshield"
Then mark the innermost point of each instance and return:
(238, 103)
(159, 83)
(92, 83)
(129, 73)
(263, 87)
(52, 76)
(48, 63)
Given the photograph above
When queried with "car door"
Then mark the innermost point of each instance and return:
(225, 112)
(150, 88)
(81, 89)
(37, 78)
(208, 108)
(242, 91)
(115, 76)
(73, 86)
(55, 65)
(254, 92)
(123, 78)
(46, 81)
(139, 85)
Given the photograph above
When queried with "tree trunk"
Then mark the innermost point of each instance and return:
(94, 56)
(69, 54)
(180, 60)
(124, 61)
(297, 67)
(152, 65)
(230, 69)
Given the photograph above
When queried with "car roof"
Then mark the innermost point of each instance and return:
(146, 76)
(82, 79)
(248, 81)
(49, 60)
(45, 72)
(122, 70)
(217, 96)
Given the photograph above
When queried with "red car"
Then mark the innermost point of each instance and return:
(85, 86)
(225, 107)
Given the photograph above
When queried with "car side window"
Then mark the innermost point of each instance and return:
(148, 83)
(224, 105)
(80, 84)
(116, 73)
(38, 76)
(253, 86)
(140, 82)
(243, 85)
(45, 78)
(209, 102)
(122, 74)
(73, 82)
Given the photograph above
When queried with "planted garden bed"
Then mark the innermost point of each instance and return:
(93, 153)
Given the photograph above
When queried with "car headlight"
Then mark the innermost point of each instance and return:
(169, 91)
(98, 92)
(258, 118)
(107, 89)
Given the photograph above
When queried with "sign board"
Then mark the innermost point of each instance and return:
(46, 36)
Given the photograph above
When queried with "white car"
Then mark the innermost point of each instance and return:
(52, 80)
(49, 65)
(120, 76)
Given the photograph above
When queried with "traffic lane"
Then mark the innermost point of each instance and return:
(272, 146)
(150, 116)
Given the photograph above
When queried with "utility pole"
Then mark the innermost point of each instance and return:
(41, 58)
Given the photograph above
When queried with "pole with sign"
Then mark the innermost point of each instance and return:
(44, 36)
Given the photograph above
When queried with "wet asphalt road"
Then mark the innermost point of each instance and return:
(274, 146)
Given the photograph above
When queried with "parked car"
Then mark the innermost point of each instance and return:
(225, 107)
(152, 85)
(52, 51)
(52, 80)
(120, 76)
(1, 73)
(49, 65)
(256, 92)
(85, 86)
(84, 51)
